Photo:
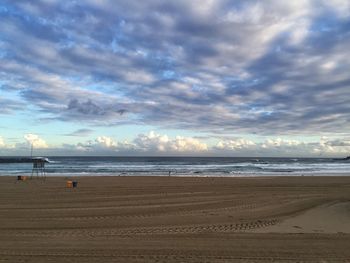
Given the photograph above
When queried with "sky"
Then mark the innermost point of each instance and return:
(175, 78)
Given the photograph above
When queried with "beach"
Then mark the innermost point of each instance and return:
(175, 219)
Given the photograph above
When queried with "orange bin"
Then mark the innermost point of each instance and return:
(69, 184)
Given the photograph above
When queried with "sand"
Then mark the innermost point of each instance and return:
(174, 219)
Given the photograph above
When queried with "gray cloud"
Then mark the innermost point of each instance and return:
(85, 108)
(212, 66)
(80, 132)
(339, 142)
(8, 106)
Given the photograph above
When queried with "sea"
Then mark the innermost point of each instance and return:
(181, 166)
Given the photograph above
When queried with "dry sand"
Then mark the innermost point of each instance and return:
(173, 219)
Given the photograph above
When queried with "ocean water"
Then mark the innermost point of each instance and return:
(182, 166)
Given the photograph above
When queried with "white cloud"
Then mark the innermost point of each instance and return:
(150, 143)
(342, 7)
(139, 76)
(162, 143)
(325, 147)
(250, 14)
(235, 144)
(329, 65)
(278, 142)
(100, 143)
(183, 144)
(299, 32)
(35, 140)
(2, 143)
(154, 143)
(106, 142)
(204, 8)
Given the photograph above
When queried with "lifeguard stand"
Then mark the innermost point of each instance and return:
(39, 167)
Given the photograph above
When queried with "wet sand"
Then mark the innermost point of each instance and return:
(174, 219)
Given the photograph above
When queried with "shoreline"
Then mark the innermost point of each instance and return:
(195, 175)
(204, 176)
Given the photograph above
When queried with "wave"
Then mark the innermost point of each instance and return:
(181, 166)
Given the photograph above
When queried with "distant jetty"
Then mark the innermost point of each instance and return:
(343, 159)
(23, 159)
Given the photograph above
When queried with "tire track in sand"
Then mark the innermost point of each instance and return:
(189, 229)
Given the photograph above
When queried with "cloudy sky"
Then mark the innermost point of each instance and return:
(199, 77)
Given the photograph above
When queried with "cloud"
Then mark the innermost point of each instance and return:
(235, 144)
(277, 147)
(328, 146)
(104, 145)
(80, 132)
(278, 142)
(151, 143)
(89, 109)
(35, 141)
(5, 147)
(85, 108)
(182, 144)
(250, 67)
(338, 143)
(162, 143)
(106, 142)
(2, 143)
(8, 106)
(156, 144)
